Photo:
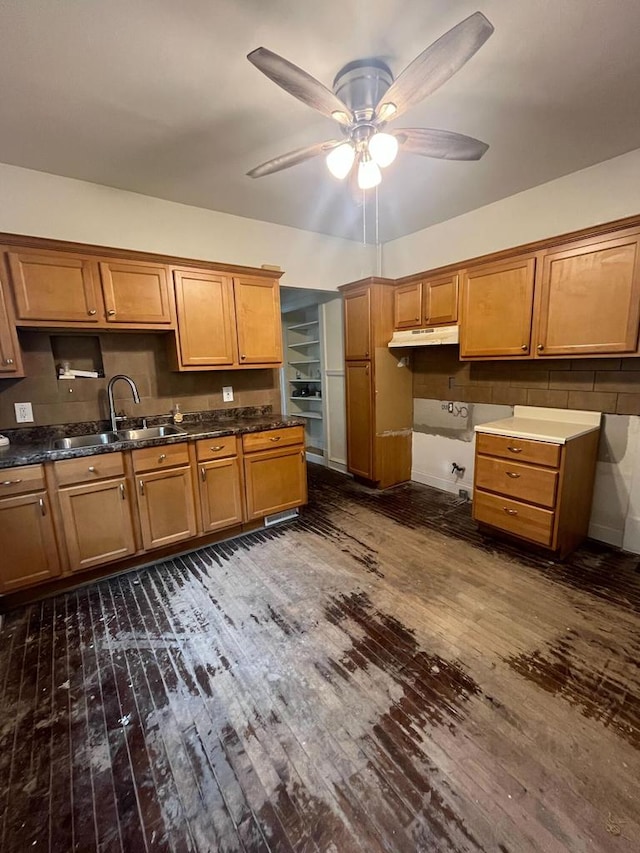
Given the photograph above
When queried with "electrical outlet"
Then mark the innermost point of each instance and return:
(464, 494)
(24, 413)
(227, 394)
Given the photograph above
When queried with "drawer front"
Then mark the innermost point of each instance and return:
(16, 481)
(216, 448)
(272, 438)
(85, 469)
(529, 483)
(519, 449)
(520, 519)
(156, 458)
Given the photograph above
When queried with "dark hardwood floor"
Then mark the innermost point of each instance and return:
(375, 676)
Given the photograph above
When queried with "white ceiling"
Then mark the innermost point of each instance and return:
(156, 96)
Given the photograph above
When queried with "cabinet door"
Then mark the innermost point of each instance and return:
(220, 493)
(360, 427)
(27, 542)
(257, 303)
(135, 293)
(357, 325)
(10, 356)
(441, 300)
(166, 505)
(497, 309)
(57, 287)
(407, 306)
(275, 480)
(204, 303)
(98, 527)
(590, 299)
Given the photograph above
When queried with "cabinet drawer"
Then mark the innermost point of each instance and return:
(520, 519)
(216, 448)
(272, 438)
(525, 482)
(16, 481)
(520, 449)
(156, 458)
(88, 468)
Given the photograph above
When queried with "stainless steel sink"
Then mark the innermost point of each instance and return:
(150, 432)
(95, 440)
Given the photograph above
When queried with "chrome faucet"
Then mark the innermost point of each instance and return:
(112, 409)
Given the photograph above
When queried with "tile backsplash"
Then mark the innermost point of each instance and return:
(144, 357)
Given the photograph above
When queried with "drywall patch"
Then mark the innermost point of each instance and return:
(454, 419)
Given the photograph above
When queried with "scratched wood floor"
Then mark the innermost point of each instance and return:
(374, 676)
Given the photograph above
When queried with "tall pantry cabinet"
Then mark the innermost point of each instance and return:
(378, 387)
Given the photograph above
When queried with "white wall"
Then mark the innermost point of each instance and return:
(601, 193)
(44, 205)
(334, 384)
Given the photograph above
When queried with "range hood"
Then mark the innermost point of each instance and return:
(425, 337)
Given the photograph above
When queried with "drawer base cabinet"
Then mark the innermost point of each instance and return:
(63, 518)
(538, 491)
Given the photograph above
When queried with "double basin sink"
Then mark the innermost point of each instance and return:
(99, 439)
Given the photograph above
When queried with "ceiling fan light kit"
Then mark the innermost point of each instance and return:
(365, 98)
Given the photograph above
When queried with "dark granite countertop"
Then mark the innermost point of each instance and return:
(34, 445)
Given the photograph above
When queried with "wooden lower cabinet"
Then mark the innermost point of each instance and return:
(275, 480)
(98, 524)
(166, 506)
(27, 541)
(220, 494)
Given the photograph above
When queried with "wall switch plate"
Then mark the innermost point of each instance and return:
(24, 413)
(227, 394)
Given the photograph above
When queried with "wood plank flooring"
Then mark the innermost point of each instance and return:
(376, 675)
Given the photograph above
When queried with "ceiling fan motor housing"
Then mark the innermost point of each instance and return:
(361, 84)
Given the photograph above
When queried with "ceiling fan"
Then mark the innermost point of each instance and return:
(365, 98)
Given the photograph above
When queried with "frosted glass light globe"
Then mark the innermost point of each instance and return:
(369, 174)
(340, 160)
(383, 148)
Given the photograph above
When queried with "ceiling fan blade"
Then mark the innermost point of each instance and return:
(292, 158)
(435, 65)
(300, 84)
(441, 144)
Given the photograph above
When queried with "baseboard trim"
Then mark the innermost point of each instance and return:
(441, 483)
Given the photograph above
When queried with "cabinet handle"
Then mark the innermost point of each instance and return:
(203, 474)
(8, 361)
(512, 474)
(243, 357)
(302, 455)
(162, 457)
(141, 487)
(275, 438)
(510, 511)
(216, 447)
(92, 468)
(111, 312)
(10, 482)
(524, 348)
(43, 508)
(366, 355)
(514, 449)
(122, 492)
(540, 347)
(91, 312)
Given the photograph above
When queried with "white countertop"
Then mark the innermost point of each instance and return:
(540, 424)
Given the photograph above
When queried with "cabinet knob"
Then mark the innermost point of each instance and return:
(162, 457)
(524, 348)
(91, 312)
(243, 357)
(366, 355)
(92, 468)
(540, 347)
(111, 312)
(510, 511)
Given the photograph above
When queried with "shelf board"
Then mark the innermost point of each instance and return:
(306, 361)
(304, 381)
(304, 325)
(314, 415)
(295, 399)
(303, 344)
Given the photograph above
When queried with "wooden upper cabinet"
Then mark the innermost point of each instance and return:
(206, 328)
(357, 324)
(440, 300)
(135, 293)
(56, 287)
(497, 309)
(10, 356)
(259, 329)
(27, 539)
(407, 306)
(360, 425)
(590, 298)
